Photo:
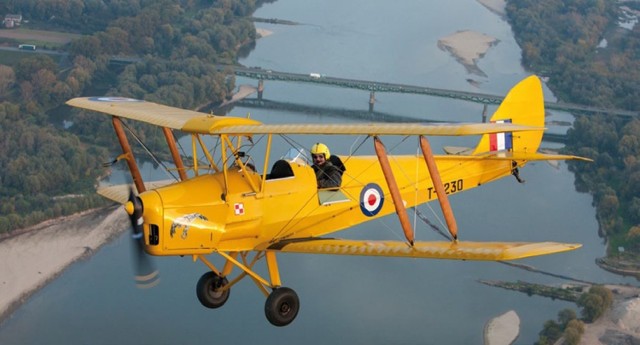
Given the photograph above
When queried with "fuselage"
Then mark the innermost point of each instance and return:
(213, 213)
(216, 213)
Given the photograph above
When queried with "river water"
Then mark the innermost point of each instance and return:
(351, 300)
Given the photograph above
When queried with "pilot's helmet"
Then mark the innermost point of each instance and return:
(320, 148)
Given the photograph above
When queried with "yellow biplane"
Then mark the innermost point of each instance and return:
(223, 205)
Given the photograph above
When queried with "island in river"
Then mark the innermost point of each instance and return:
(468, 47)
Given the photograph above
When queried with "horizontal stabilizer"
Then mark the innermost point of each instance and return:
(120, 193)
(461, 250)
(513, 156)
(457, 150)
(535, 156)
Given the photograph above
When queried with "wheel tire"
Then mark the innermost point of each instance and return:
(282, 306)
(207, 293)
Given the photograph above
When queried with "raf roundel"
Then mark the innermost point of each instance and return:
(371, 199)
(113, 99)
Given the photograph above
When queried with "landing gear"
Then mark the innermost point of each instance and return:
(209, 290)
(282, 306)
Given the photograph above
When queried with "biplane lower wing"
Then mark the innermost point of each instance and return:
(120, 193)
(460, 250)
(509, 156)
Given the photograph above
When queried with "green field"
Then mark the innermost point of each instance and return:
(41, 38)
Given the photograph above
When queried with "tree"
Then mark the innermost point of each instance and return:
(7, 80)
(595, 302)
(551, 331)
(27, 67)
(573, 332)
(565, 316)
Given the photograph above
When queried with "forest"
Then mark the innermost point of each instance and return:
(590, 59)
(50, 170)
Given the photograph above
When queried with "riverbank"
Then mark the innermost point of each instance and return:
(39, 254)
(620, 324)
(243, 92)
(496, 6)
(263, 32)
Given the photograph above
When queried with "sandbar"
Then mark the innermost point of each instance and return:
(503, 329)
(468, 47)
(39, 254)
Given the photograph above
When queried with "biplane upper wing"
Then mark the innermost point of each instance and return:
(444, 129)
(457, 250)
(158, 114)
(197, 122)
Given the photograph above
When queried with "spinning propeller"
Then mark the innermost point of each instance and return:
(146, 274)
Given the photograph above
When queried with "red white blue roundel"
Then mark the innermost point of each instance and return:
(371, 199)
(113, 99)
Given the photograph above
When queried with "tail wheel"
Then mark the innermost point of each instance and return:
(282, 306)
(208, 290)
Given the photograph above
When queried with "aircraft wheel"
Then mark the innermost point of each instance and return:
(208, 290)
(282, 306)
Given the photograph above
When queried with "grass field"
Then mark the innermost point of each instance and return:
(51, 39)
(10, 58)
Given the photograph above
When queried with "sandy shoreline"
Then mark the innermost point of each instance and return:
(41, 253)
(263, 32)
(496, 6)
(243, 91)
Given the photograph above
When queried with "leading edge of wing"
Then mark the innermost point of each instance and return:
(461, 250)
(158, 114)
(383, 128)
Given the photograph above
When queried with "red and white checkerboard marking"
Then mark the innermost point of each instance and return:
(238, 209)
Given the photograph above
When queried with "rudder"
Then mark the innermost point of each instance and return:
(523, 105)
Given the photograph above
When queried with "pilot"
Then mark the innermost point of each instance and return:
(327, 174)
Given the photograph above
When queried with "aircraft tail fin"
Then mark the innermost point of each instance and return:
(523, 105)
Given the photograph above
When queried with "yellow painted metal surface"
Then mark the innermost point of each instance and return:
(158, 114)
(384, 128)
(290, 207)
(236, 210)
(524, 105)
(489, 251)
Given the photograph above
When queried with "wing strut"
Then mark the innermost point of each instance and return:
(126, 149)
(401, 210)
(443, 199)
(171, 142)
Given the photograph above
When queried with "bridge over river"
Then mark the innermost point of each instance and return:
(373, 86)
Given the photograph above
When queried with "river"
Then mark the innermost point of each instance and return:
(352, 300)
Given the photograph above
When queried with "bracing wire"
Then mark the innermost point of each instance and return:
(415, 198)
(155, 159)
(434, 227)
